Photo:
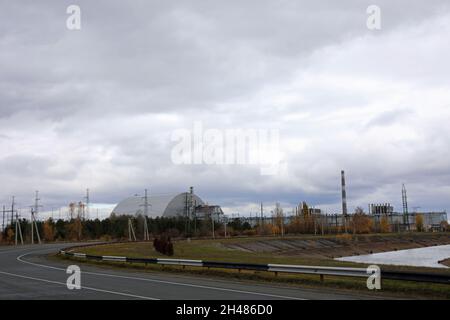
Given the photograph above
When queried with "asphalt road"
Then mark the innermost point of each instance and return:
(27, 273)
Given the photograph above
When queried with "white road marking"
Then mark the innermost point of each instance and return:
(82, 287)
(19, 258)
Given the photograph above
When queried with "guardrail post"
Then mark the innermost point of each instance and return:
(321, 278)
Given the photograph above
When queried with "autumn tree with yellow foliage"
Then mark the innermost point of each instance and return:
(419, 223)
(49, 230)
(384, 224)
(361, 223)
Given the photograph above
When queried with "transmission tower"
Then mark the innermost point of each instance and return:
(344, 200)
(87, 203)
(189, 210)
(13, 203)
(34, 214)
(146, 205)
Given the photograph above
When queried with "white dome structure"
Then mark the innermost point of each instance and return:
(159, 205)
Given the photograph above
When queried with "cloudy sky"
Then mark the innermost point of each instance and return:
(97, 107)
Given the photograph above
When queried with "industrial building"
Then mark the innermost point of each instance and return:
(186, 204)
(432, 221)
(400, 222)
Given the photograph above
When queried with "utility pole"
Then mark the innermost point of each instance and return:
(226, 222)
(3, 223)
(262, 214)
(212, 220)
(314, 220)
(5, 217)
(18, 230)
(131, 234)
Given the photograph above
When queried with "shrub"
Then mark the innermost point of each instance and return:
(163, 245)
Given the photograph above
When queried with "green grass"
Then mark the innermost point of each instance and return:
(215, 250)
(202, 250)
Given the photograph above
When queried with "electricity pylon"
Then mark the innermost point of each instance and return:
(34, 212)
(146, 205)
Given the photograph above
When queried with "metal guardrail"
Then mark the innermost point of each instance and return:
(276, 268)
(333, 271)
(417, 277)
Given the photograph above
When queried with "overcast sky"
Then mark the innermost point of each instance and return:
(96, 108)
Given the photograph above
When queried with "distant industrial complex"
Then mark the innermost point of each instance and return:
(190, 206)
(186, 204)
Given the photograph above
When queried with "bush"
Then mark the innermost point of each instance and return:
(163, 245)
(169, 248)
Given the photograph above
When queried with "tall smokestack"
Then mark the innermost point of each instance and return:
(344, 195)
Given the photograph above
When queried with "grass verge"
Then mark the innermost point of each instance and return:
(214, 250)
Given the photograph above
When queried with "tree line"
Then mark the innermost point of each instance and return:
(115, 227)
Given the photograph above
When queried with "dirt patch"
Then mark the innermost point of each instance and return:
(339, 247)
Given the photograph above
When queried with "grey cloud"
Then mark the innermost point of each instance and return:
(390, 117)
(86, 108)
